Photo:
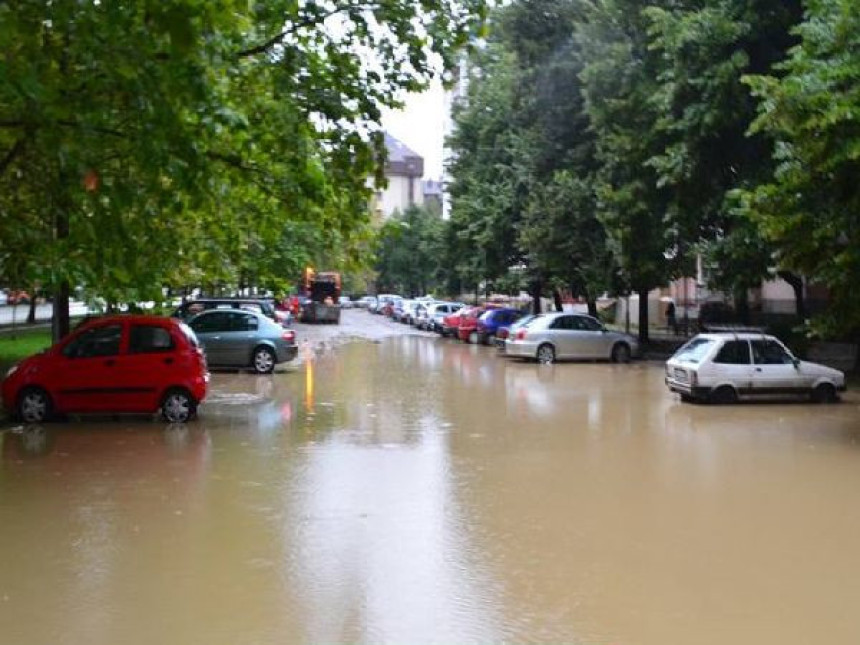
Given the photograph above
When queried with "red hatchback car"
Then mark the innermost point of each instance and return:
(112, 364)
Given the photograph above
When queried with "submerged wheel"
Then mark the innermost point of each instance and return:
(34, 405)
(724, 394)
(546, 354)
(473, 338)
(264, 360)
(824, 393)
(178, 406)
(621, 353)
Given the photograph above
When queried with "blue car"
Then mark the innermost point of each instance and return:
(493, 319)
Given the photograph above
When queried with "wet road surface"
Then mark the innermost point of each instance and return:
(416, 490)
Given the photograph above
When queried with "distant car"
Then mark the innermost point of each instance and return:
(436, 312)
(112, 364)
(505, 332)
(451, 323)
(409, 311)
(243, 339)
(723, 367)
(492, 320)
(265, 306)
(467, 331)
(345, 302)
(560, 335)
(365, 302)
(17, 297)
(383, 301)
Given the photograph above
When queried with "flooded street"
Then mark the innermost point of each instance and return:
(417, 490)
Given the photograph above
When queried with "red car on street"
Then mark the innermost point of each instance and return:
(112, 364)
(451, 323)
(467, 331)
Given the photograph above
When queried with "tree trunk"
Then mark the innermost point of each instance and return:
(742, 307)
(60, 325)
(537, 289)
(31, 314)
(592, 306)
(556, 298)
(643, 316)
(796, 283)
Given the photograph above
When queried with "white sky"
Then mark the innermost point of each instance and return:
(421, 125)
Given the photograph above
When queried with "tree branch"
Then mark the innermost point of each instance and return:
(309, 21)
(14, 151)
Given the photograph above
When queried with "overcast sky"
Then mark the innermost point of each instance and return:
(420, 125)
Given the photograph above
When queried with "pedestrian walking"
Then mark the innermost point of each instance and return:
(671, 320)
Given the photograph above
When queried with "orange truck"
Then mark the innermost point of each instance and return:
(323, 291)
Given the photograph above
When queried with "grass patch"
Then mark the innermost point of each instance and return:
(20, 344)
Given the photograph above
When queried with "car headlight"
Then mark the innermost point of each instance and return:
(11, 371)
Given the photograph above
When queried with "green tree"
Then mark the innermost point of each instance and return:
(149, 138)
(620, 84)
(408, 257)
(809, 210)
(705, 111)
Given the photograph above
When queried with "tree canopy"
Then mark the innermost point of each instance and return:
(152, 143)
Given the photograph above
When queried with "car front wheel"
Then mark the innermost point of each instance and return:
(34, 405)
(824, 393)
(621, 353)
(264, 360)
(178, 406)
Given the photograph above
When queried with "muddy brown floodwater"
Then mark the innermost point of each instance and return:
(416, 490)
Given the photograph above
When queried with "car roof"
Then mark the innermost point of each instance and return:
(735, 335)
(231, 310)
(163, 321)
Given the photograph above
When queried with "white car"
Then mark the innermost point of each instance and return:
(722, 367)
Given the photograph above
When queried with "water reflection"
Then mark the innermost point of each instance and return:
(420, 491)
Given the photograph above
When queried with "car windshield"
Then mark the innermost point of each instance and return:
(694, 351)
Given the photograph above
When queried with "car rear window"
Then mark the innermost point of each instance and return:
(145, 339)
(694, 351)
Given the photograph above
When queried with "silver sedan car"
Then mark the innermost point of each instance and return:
(243, 339)
(554, 336)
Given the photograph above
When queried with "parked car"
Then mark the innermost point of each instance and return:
(366, 302)
(467, 331)
(112, 364)
(451, 323)
(187, 310)
(560, 335)
(409, 311)
(391, 306)
(435, 313)
(345, 302)
(491, 320)
(243, 339)
(383, 301)
(505, 332)
(723, 367)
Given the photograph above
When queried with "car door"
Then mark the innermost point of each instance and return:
(774, 368)
(88, 379)
(559, 333)
(733, 364)
(591, 338)
(145, 366)
(211, 328)
(241, 338)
